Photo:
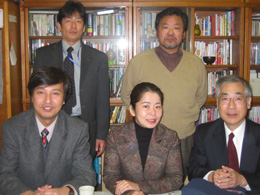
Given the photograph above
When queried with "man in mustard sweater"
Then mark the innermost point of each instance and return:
(181, 76)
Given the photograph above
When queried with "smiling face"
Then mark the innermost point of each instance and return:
(47, 102)
(233, 113)
(72, 28)
(170, 33)
(148, 111)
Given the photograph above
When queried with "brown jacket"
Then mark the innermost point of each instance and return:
(163, 168)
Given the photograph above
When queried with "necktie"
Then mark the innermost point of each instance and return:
(232, 154)
(44, 134)
(69, 69)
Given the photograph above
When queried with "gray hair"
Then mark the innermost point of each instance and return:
(233, 79)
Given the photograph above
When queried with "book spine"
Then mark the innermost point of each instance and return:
(233, 22)
(89, 24)
(258, 56)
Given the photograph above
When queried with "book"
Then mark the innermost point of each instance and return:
(213, 25)
(89, 24)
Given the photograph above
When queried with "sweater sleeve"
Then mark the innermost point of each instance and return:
(129, 82)
(202, 91)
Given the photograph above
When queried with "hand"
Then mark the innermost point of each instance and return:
(229, 178)
(136, 193)
(100, 146)
(125, 185)
(46, 190)
(38, 191)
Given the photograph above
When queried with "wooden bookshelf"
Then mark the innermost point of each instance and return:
(11, 75)
(252, 9)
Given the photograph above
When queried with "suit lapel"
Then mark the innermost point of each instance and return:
(250, 151)
(156, 153)
(57, 55)
(57, 144)
(129, 151)
(219, 146)
(33, 141)
(86, 59)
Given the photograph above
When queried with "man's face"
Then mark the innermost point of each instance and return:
(48, 101)
(233, 113)
(170, 33)
(72, 28)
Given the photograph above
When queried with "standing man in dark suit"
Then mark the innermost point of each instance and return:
(212, 157)
(44, 150)
(90, 73)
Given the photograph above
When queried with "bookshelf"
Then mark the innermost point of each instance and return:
(110, 33)
(11, 93)
(202, 9)
(252, 40)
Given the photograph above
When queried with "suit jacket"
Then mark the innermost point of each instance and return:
(163, 168)
(94, 85)
(210, 152)
(21, 161)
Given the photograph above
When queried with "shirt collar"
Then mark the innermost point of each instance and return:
(76, 46)
(238, 132)
(49, 128)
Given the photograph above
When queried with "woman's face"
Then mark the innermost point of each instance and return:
(148, 111)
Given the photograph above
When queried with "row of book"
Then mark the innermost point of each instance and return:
(255, 53)
(117, 114)
(147, 20)
(34, 45)
(222, 51)
(118, 58)
(208, 114)
(254, 114)
(255, 26)
(217, 25)
(255, 82)
(105, 25)
(115, 75)
(44, 23)
(147, 44)
(213, 78)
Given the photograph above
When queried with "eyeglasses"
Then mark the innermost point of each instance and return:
(237, 99)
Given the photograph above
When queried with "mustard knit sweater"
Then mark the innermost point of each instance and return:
(184, 89)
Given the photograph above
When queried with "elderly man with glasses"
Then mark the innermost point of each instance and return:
(225, 158)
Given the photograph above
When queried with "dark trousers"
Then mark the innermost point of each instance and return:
(186, 146)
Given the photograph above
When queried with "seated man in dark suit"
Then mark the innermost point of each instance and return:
(44, 150)
(226, 162)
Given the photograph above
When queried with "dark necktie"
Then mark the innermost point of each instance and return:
(232, 154)
(69, 69)
(44, 134)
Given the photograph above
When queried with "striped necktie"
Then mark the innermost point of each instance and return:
(44, 134)
(69, 69)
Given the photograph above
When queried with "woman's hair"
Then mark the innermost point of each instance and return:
(140, 89)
